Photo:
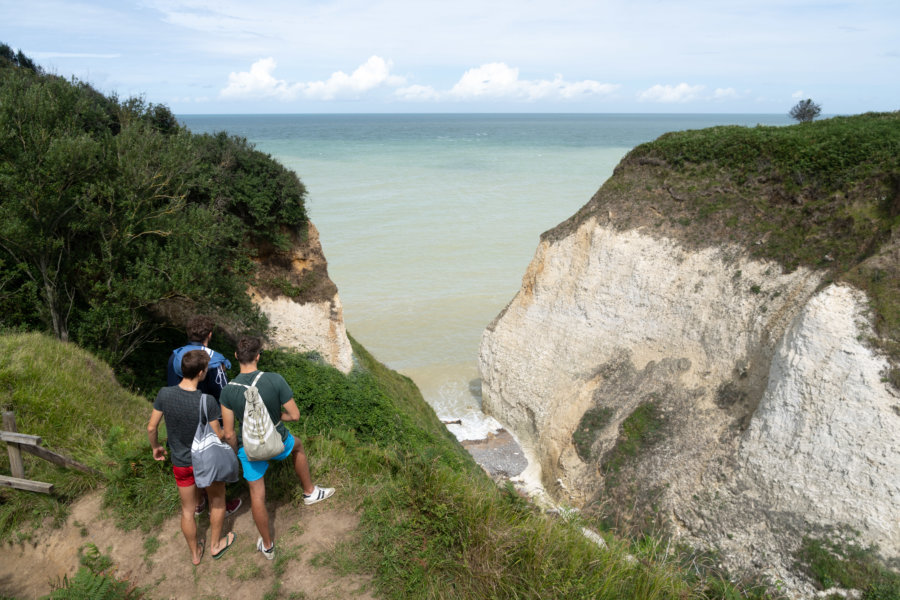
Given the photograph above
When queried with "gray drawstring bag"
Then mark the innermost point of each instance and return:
(212, 459)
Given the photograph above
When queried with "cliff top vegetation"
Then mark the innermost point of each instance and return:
(113, 216)
(822, 194)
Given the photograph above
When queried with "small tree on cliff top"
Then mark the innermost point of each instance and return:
(805, 111)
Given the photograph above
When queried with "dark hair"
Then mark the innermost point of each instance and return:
(193, 362)
(247, 349)
(198, 327)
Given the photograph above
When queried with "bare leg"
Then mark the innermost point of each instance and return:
(189, 498)
(301, 467)
(216, 494)
(258, 509)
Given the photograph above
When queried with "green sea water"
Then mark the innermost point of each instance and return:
(428, 222)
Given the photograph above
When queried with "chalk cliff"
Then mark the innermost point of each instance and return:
(671, 375)
(302, 303)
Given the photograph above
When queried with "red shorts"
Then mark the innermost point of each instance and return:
(184, 476)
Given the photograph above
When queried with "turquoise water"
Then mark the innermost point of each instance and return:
(429, 221)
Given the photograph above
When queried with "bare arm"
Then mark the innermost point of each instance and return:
(159, 452)
(289, 411)
(228, 424)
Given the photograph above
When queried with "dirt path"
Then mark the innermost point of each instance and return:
(29, 569)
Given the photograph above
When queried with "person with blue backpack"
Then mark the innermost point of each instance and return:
(199, 333)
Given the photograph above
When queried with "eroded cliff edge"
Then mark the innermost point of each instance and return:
(709, 346)
(293, 289)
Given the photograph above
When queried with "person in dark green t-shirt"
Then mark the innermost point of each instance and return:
(276, 394)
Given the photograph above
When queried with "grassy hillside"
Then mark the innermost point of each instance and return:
(72, 400)
(432, 525)
(825, 195)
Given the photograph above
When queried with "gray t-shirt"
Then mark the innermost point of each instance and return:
(181, 410)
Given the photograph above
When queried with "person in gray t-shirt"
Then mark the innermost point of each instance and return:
(180, 406)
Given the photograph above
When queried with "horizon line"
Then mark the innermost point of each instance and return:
(491, 113)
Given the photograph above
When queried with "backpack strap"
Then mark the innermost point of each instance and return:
(204, 418)
(244, 385)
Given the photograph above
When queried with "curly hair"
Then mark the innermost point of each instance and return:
(199, 327)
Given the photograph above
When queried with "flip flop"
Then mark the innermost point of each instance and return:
(228, 544)
(202, 545)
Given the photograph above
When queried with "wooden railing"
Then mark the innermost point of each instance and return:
(21, 442)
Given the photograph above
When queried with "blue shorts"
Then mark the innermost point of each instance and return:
(255, 469)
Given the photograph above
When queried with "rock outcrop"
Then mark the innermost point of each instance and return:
(668, 379)
(302, 303)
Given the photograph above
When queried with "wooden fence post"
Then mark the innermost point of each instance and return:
(16, 466)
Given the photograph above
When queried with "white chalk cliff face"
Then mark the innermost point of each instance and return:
(301, 302)
(310, 326)
(771, 417)
(824, 441)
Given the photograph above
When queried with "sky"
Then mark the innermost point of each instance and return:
(461, 56)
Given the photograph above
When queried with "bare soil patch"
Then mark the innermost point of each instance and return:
(30, 569)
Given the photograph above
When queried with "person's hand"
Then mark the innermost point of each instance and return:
(159, 453)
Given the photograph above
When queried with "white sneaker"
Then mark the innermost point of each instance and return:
(318, 494)
(270, 553)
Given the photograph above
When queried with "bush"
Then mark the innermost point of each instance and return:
(111, 210)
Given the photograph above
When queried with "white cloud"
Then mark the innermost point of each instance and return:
(374, 73)
(500, 81)
(671, 93)
(798, 95)
(490, 80)
(259, 82)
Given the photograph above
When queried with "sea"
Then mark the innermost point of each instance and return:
(429, 221)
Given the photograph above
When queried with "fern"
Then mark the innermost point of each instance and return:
(87, 585)
(94, 580)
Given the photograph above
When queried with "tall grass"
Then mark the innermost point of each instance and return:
(72, 401)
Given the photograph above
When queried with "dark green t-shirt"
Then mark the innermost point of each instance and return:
(273, 390)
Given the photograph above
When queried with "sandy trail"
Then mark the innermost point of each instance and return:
(29, 570)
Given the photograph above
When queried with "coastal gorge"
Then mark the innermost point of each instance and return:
(709, 348)
(706, 353)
